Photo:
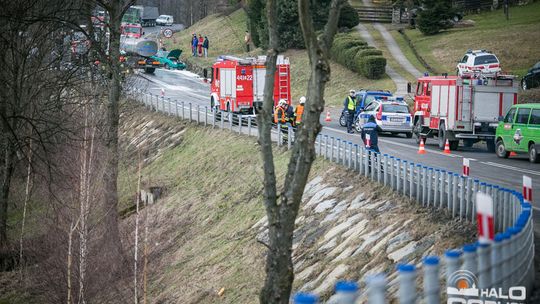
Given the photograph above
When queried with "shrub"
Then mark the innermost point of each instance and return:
(435, 16)
(373, 67)
(357, 56)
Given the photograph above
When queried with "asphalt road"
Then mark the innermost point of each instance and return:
(188, 87)
(152, 30)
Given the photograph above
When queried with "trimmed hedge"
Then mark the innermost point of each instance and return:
(358, 56)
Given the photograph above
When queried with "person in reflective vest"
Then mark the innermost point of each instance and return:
(370, 134)
(350, 106)
(280, 115)
(299, 111)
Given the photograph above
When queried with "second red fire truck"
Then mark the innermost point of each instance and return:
(453, 108)
(238, 84)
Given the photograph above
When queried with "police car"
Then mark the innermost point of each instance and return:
(478, 62)
(391, 115)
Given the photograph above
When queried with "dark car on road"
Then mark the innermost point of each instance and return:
(532, 78)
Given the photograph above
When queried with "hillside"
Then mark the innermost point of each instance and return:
(207, 230)
(515, 41)
(226, 35)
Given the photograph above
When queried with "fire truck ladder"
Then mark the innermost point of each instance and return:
(283, 79)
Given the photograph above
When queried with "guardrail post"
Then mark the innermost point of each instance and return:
(372, 156)
(231, 120)
(338, 151)
(289, 137)
(279, 134)
(249, 127)
(448, 187)
(190, 112)
(451, 258)
(379, 167)
(163, 104)
(496, 261)
(454, 194)
(431, 280)
(462, 215)
(326, 147)
(332, 149)
(429, 185)
(484, 266)
(436, 196)
(350, 155)
(221, 118)
(404, 165)
(170, 109)
(506, 209)
(398, 175)
(376, 289)
(419, 178)
(470, 262)
(407, 281)
(356, 157)
(205, 115)
(476, 187)
(442, 186)
(496, 212)
(183, 111)
(385, 169)
(198, 112)
(411, 180)
(240, 123)
(391, 164)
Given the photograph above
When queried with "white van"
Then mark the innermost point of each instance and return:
(165, 20)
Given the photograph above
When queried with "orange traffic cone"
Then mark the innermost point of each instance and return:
(327, 116)
(446, 147)
(512, 153)
(421, 149)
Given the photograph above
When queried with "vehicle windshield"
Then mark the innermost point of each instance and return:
(485, 59)
(134, 30)
(163, 17)
(371, 98)
(393, 108)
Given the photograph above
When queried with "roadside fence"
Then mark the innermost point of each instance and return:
(505, 263)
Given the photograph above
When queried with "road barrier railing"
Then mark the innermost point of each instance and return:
(506, 263)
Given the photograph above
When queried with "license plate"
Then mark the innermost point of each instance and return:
(396, 119)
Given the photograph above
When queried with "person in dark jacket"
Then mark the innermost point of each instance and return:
(350, 106)
(194, 43)
(370, 134)
(205, 46)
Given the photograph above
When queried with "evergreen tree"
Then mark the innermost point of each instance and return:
(435, 16)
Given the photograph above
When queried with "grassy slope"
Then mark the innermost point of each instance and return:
(515, 42)
(201, 226)
(226, 35)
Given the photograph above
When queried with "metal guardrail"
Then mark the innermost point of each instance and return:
(507, 262)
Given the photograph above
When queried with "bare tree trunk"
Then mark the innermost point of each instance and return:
(7, 173)
(72, 229)
(145, 266)
(282, 214)
(26, 198)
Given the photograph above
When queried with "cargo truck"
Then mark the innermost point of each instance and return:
(143, 15)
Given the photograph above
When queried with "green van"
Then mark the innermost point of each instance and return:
(519, 131)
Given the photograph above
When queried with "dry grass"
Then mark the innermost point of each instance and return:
(515, 42)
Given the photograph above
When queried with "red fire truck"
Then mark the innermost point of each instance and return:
(452, 108)
(238, 84)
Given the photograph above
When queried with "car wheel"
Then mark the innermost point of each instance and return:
(468, 143)
(500, 149)
(454, 144)
(533, 154)
(441, 140)
(417, 130)
(524, 85)
(357, 126)
(166, 66)
(343, 119)
(408, 134)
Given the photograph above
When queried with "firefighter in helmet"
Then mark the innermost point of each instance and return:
(280, 112)
(299, 111)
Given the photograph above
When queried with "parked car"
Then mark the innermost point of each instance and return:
(364, 98)
(165, 20)
(392, 116)
(478, 63)
(532, 78)
(170, 60)
(519, 131)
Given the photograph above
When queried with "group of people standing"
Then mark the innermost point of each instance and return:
(285, 113)
(199, 46)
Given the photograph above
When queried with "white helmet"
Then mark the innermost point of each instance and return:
(282, 102)
(302, 100)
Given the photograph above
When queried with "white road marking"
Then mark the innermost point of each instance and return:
(512, 168)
